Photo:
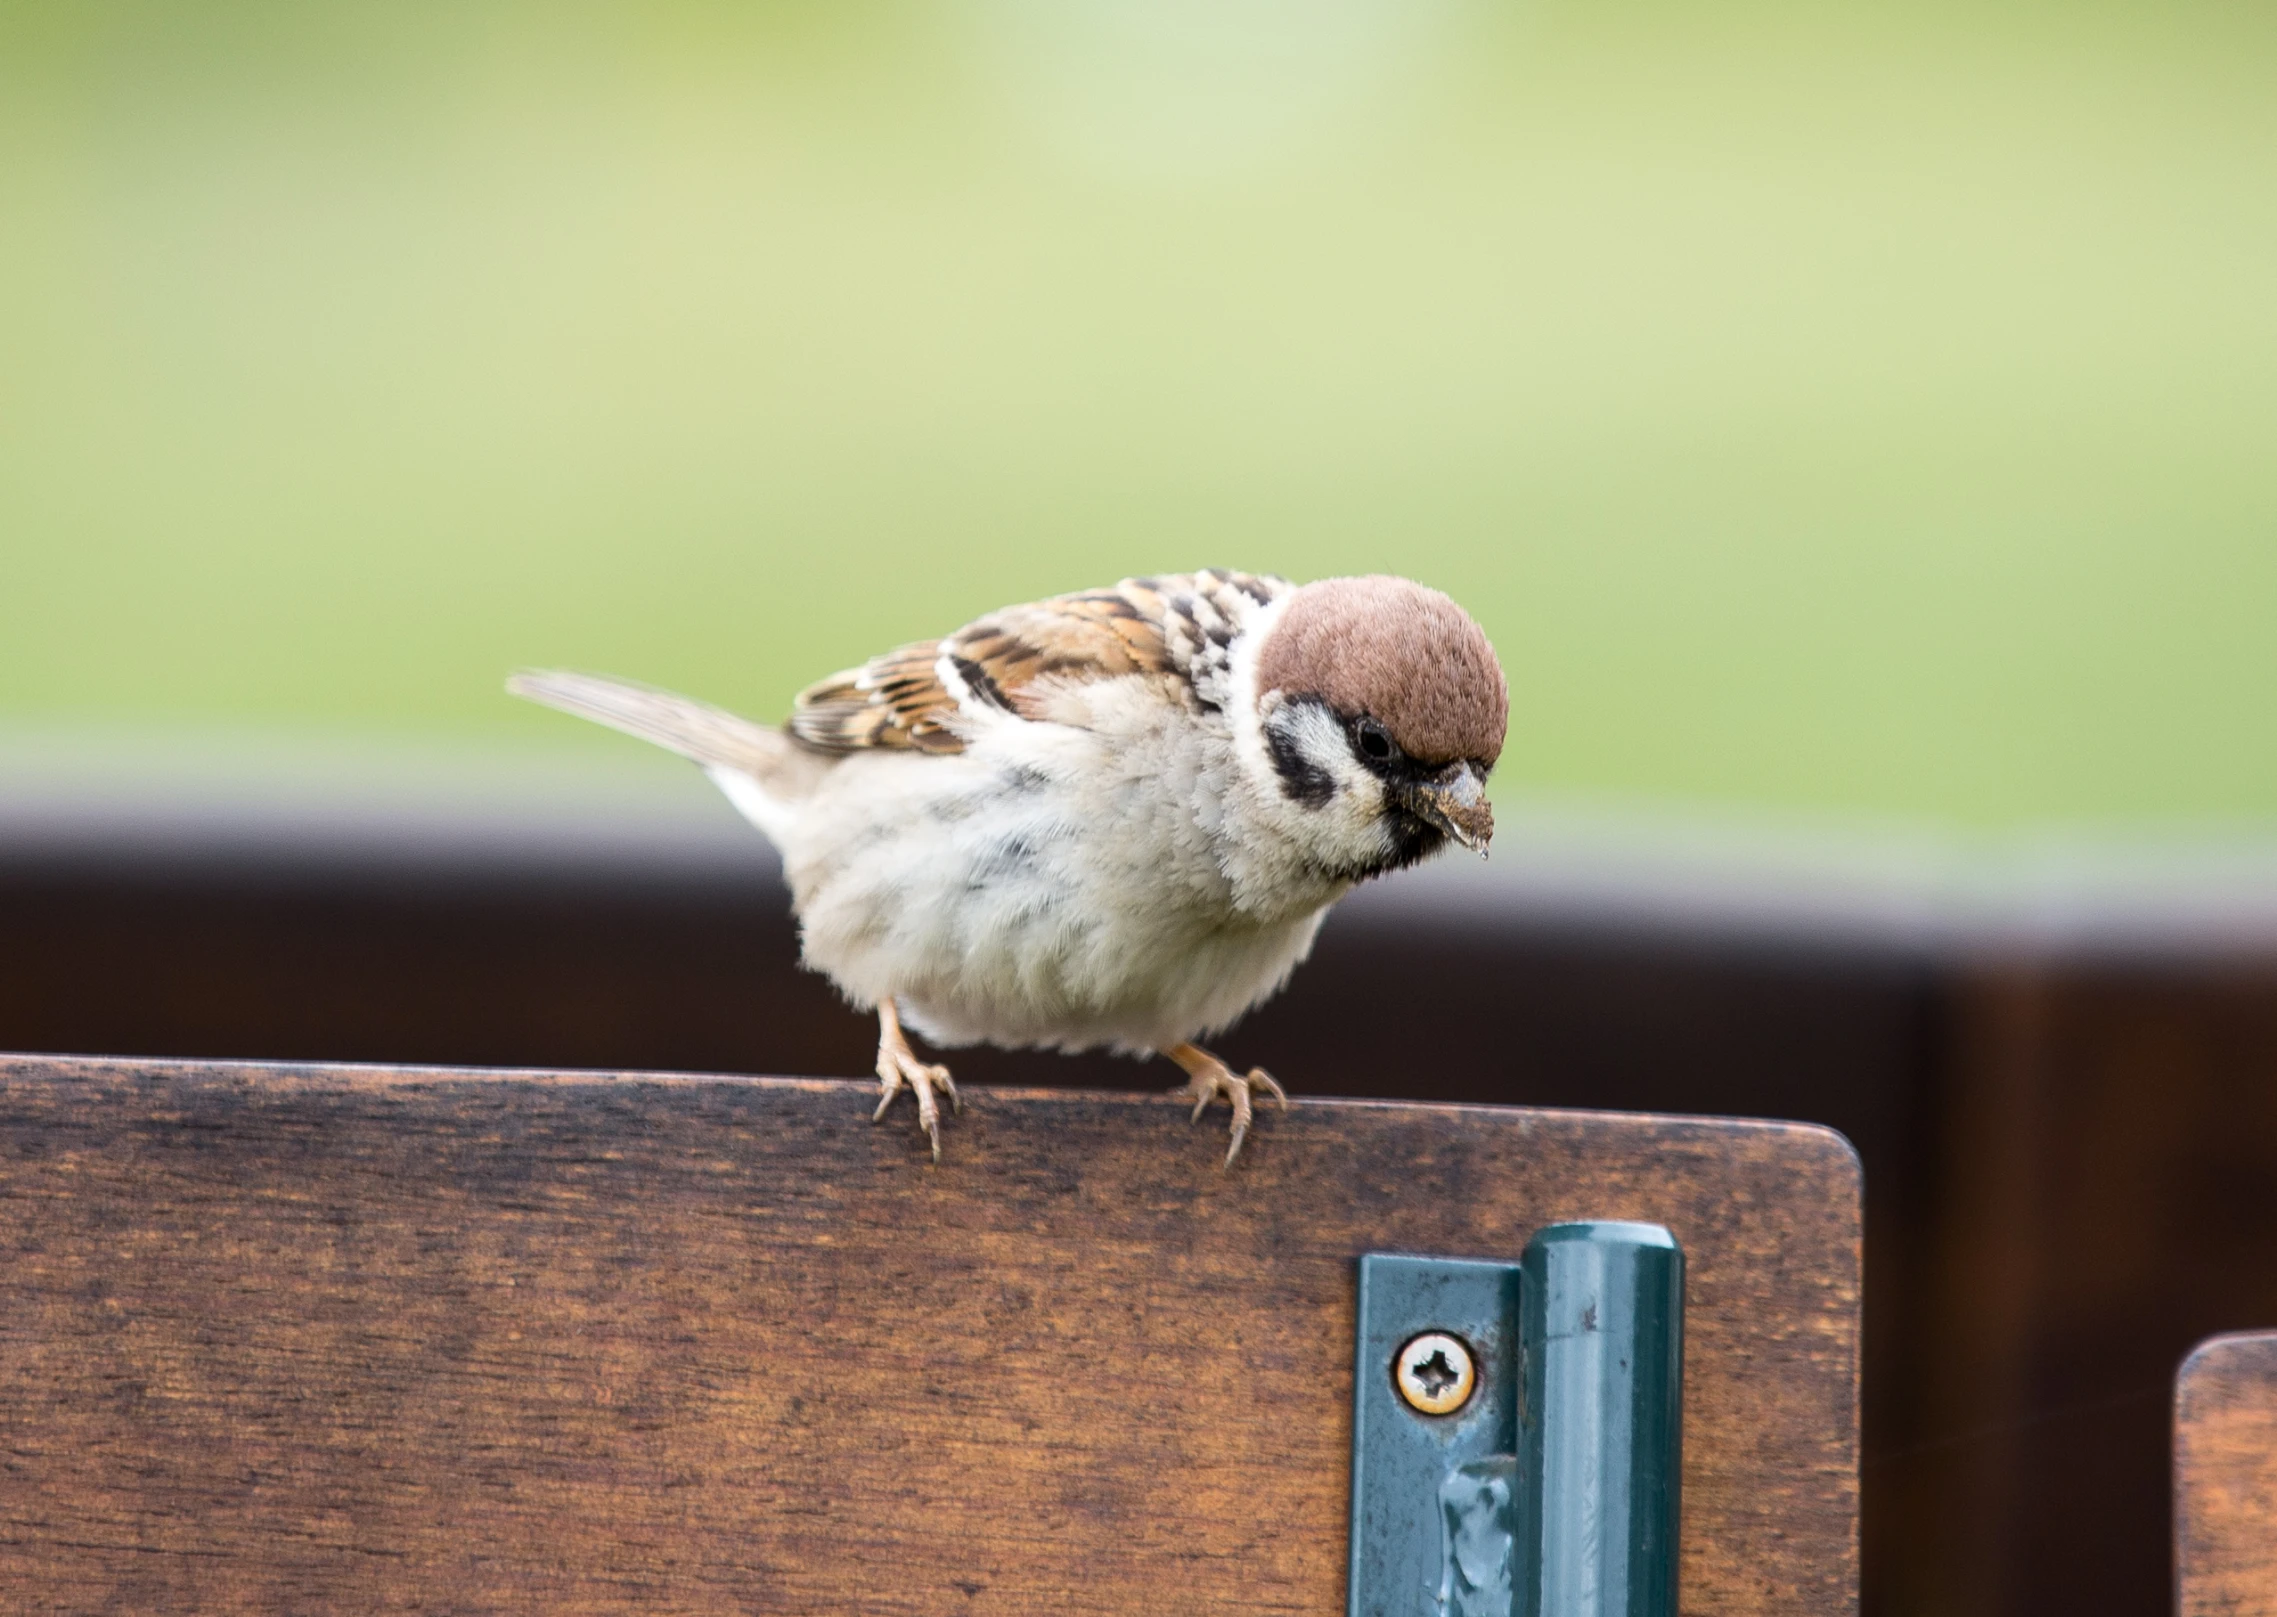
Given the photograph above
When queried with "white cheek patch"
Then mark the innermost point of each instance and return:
(1314, 761)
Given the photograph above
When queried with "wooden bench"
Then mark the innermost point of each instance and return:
(362, 1339)
(2225, 1477)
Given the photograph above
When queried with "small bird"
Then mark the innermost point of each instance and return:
(1115, 818)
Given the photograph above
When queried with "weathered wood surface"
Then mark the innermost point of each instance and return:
(362, 1339)
(2225, 1478)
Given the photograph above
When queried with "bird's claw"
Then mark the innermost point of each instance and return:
(1208, 1083)
(898, 1067)
(923, 1079)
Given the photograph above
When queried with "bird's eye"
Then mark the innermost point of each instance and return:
(1374, 739)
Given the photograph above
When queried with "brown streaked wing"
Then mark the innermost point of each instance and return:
(1098, 634)
(1009, 660)
(895, 700)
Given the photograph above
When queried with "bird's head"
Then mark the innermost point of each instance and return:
(1382, 709)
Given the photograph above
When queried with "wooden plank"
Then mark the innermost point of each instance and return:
(2225, 1477)
(365, 1339)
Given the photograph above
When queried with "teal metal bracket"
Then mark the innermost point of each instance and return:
(1517, 1429)
(1403, 1458)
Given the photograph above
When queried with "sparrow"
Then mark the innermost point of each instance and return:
(1115, 818)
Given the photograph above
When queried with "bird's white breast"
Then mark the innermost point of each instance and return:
(1059, 884)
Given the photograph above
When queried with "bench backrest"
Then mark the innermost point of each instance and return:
(335, 1338)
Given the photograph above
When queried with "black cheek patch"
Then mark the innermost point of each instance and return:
(1302, 780)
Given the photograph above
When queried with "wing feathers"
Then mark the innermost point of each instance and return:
(896, 700)
(923, 696)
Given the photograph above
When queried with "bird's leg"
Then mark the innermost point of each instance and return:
(1207, 1078)
(898, 1064)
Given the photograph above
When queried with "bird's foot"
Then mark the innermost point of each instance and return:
(1208, 1078)
(898, 1066)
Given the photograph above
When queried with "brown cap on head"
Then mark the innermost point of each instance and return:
(1406, 656)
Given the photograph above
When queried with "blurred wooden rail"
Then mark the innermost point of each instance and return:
(364, 1339)
(2225, 1477)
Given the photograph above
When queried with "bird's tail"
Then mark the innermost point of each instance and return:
(734, 751)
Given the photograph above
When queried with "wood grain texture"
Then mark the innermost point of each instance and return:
(2225, 1477)
(370, 1339)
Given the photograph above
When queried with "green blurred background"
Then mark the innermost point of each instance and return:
(1843, 407)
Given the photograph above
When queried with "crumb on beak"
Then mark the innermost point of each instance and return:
(1454, 802)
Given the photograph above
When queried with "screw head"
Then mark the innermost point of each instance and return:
(1435, 1373)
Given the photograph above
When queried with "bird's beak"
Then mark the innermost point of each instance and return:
(1456, 803)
